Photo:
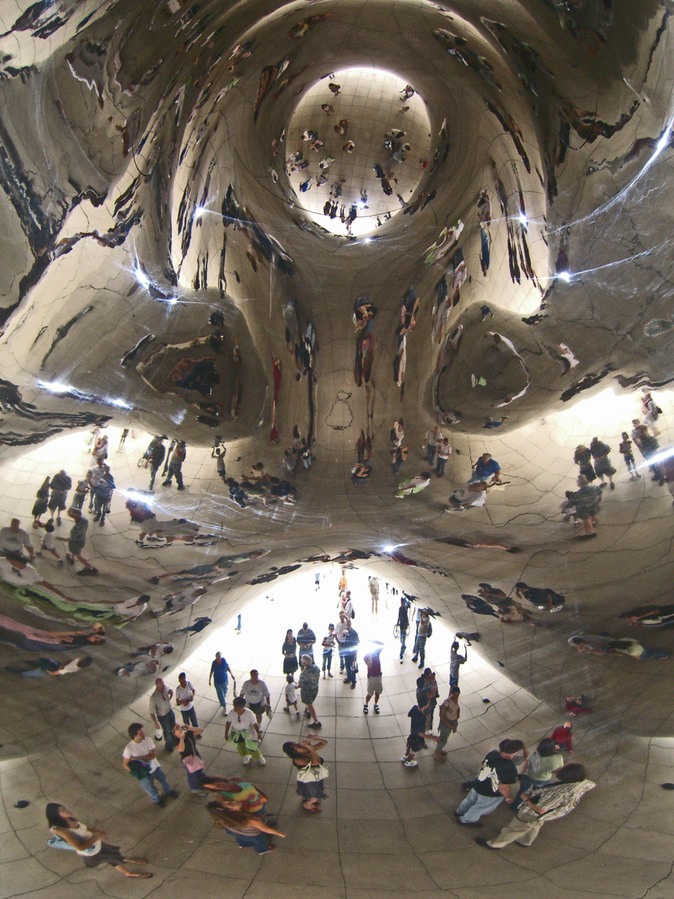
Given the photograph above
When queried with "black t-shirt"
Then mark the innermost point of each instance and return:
(418, 720)
(495, 770)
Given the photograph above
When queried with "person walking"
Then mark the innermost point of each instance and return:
(60, 485)
(496, 782)
(249, 830)
(256, 695)
(449, 714)
(218, 674)
(76, 541)
(455, 662)
(403, 624)
(549, 803)
(417, 737)
(374, 686)
(627, 453)
(89, 844)
(161, 713)
(139, 759)
(175, 468)
(185, 700)
(244, 729)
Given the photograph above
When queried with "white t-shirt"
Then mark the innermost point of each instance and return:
(468, 497)
(243, 720)
(291, 693)
(134, 750)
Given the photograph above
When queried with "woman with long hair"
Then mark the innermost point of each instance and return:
(246, 828)
(289, 650)
(310, 770)
(89, 843)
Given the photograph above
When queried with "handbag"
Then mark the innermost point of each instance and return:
(59, 843)
(193, 763)
(311, 774)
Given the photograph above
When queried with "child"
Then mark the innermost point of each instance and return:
(628, 456)
(577, 705)
(290, 692)
(563, 736)
(49, 542)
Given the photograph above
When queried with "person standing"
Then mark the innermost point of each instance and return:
(306, 639)
(374, 685)
(185, 737)
(350, 653)
(140, 761)
(328, 645)
(444, 452)
(417, 735)
(218, 675)
(403, 624)
(586, 501)
(540, 806)
(289, 651)
(156, 453)
(243, 727)
(310, 676)
(449, 714)
(76, 542)
(627, 453)
(161, 713)
(602, 464)
(496, 781)
(15, 542)
(175, 468)
(373, 585)
(583, 459)
(433, 438)
(256, 695)
(340, 635)
(424, 632)
(455, 662)
(41, 503)
(103, 495)
(60, 485)
(185, 700)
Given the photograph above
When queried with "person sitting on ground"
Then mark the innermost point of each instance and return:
(472, 495)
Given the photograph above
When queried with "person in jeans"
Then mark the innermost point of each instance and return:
(185, 740)
(185, 700)
(328, 649)
(496, 781)
(162, 715)
(140, 761)
(218, 675)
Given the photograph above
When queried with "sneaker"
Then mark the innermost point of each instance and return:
(414, 658)
(286, 710)
(329, 674)
(420, 665)
(247, 759)
(376, 710)
(173, 794)
(401, 661)
(160, 804)
(315, 724)
(482, 842)
(262, 760)
(266, 851)
(346, 681)
(365, 709)
(612, 485)
(410, 763)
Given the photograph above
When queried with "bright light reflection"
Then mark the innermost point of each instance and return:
(55, 387)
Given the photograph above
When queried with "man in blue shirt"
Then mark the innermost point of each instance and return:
(484, 468)
(218, 675)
